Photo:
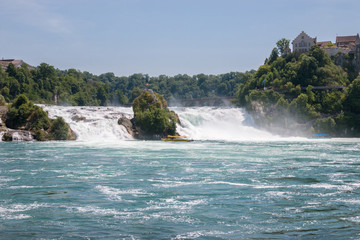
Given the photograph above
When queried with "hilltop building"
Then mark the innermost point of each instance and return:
(347, 41)
(303, 42)
(343, 45)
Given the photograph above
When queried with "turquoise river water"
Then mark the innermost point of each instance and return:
(207, 189)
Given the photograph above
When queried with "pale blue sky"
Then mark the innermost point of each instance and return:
(164, 36)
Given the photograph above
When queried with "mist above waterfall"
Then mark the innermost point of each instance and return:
(198, 123)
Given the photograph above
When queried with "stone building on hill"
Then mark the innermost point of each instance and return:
(303, 42)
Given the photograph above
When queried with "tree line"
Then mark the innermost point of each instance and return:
(45, 84)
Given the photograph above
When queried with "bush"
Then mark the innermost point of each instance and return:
(59, 129)
(24, 114)
(325, 125)
(2, 100)
(18, 112)
(152, 115)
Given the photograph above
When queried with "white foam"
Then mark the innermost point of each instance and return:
(15, 211)
(232, 124)
(96, 124)
(175, 204)
(22, 187)
(116, 194)
(202, 233)
(96, 210)
(352, 219)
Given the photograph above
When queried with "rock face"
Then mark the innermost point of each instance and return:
(18, 135)
(7, 134)
(127, 124)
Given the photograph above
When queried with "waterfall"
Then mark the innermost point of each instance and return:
(214, 123)
(198, 123)
(93, 123)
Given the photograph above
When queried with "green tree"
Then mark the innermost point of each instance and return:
(301, 109)
(59, 129)
(325, 125)
(273, 56)
(282, 44)
(24, 114)
(2, 100)
(352, 101)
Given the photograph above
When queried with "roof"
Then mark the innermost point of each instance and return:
(324, 44)
(305, 35)
(17, 63)
(345, 39)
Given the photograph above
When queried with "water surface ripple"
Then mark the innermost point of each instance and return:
(198, 190)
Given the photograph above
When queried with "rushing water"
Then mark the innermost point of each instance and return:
(223, 187)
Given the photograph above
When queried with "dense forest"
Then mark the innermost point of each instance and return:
(304, 93)
(45, 84)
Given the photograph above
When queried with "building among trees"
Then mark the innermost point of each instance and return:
(344, 44)
(303, 42)
(345, 49)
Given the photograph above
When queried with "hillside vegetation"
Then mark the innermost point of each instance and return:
(303, 94)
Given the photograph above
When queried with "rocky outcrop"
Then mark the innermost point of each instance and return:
(136, 131)
(77, 118)
(18, 135)
(124, 121)
(7, 134)
(152, 118)
(24, 121)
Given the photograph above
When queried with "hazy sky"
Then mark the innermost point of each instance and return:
(164, 36)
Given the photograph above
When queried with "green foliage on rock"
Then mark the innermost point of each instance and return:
(152, 115)
(2, 100)
(23, 114)
(59, 129)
